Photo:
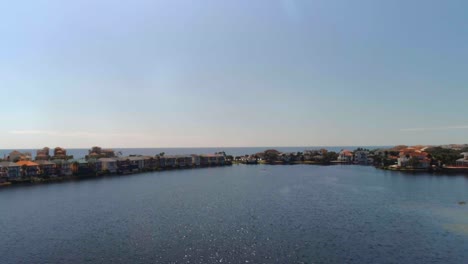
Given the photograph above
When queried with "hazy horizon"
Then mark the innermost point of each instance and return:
(239, 147)
(234, 74)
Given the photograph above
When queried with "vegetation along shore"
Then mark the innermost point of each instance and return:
(20, 167)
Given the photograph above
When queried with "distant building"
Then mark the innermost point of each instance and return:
(137, 163)
(161, 161)
(43, 154)
(28, 168)
(150, 163)
(408, 157)
(463, 162)
(95, 165)
(60, 153)
(10, 170)
(63, 167)
(195, 160)
(123, 165)
(46, 167)
(97, 152)
(108, 164)
(362, 157)
(15, 156)
(170, 161)
(345, 156)
(212, 160)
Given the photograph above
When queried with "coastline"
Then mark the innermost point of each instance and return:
(58, 179)
(19, 168)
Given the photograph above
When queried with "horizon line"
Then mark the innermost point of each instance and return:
(314, 146)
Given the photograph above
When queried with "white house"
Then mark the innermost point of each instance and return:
(410, 153)
(463, 162)
(345, 156)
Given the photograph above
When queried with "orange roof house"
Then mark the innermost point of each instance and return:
(27, 163)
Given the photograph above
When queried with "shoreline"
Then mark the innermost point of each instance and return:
(21, 169)
(59, 179)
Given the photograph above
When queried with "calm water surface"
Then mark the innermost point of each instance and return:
(240, 214)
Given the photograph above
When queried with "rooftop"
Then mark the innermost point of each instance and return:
(8, 164)
(27, 163)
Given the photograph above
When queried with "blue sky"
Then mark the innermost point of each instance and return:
(233, 73)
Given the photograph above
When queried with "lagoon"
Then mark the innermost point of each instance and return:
(240, 214)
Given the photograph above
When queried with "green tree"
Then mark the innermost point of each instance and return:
(414, 162)
(271, 155)
(329, 157)
(444, 155)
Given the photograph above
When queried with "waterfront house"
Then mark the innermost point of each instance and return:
(98, 152)
(108, 165)
(123, 165)
(180, 161)
(204, 160)
(149, 163)
(413, 157)
(463, 162)
(184, 161)
(81, 167)
(43, 154)
(137, 162)
(15, 156)
(46, 168)
(345, 156)
(60, 154)
(170, 161)
(196, 160)
(10, 170)
(212, 159)
(63, 167)
(161, 161)
(362, 157)
(28, 168)
(95, 165)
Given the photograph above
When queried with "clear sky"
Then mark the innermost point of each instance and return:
(233, 73)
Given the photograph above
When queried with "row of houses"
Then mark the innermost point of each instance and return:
(140, 163)
(41, 154)
(97, 162)
(359, 156)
